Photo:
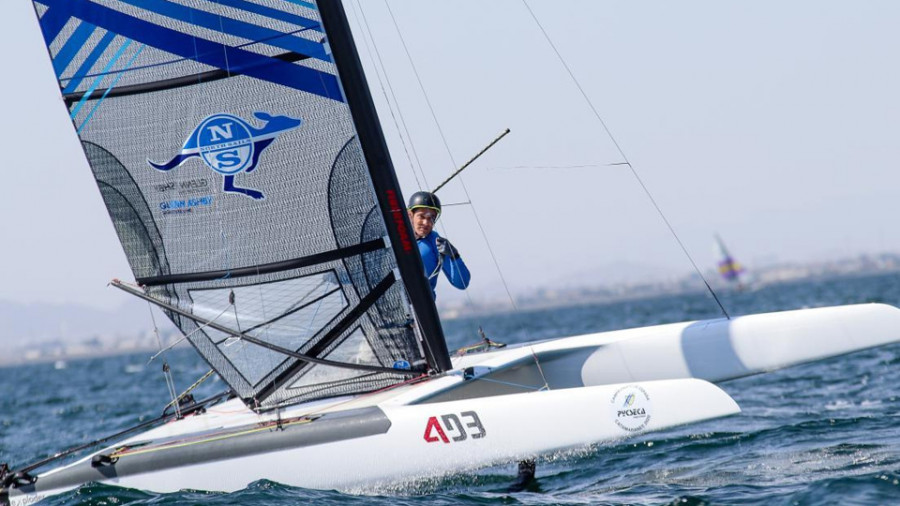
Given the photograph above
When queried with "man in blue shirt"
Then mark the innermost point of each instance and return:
(437, 252)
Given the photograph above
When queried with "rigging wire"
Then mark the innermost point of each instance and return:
(625, 158)
(452, 159)
(578, 166)
(167, 371)
(177, 401)
(539, 368)
(263, 309)
(414, 161)
(149, 423)
(462, 183)
(258, 342)
(521, 386)
(437, 268)
(233, 301)
(189, 334)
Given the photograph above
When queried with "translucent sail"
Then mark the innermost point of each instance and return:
(225, 150)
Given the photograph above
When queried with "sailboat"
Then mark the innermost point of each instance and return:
(244, 168)
(730, 270)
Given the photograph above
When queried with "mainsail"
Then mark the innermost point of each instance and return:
(238, 152)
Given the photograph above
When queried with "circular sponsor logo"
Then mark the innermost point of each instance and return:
(225, 143)
(630, 408)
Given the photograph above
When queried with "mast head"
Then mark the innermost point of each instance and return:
(425, 200)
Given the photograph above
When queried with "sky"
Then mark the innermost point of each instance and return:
(773, 124)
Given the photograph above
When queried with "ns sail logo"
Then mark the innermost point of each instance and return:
(230, 145)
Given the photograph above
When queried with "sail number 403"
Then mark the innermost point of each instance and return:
(459, 427)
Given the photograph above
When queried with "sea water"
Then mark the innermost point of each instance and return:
(820, 433)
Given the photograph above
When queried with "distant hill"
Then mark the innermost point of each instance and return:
(31, 324)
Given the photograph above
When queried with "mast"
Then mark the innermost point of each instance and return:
(384, 179)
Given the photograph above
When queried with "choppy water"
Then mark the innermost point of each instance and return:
(822, 433)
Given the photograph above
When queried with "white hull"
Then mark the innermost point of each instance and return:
(489, 430)
(488, 410)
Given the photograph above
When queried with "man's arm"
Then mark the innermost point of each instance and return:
(453, 266)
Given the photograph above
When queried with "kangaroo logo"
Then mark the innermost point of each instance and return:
(229, 145)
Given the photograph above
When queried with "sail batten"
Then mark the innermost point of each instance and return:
(246, 192)
(286, 265)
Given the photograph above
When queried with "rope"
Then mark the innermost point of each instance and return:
(539, 368)
(452, 160)
(189, 334)
(625, 158)
(511, 384)
(578, 166)
(167, 372)
(189, 389)
(232, 303)
(488, 344)
(384, 90)
(437, 268)
(219, 436)
(270, 346)
(485, 344)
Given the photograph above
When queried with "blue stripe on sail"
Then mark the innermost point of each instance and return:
(304, 4)
(105, 93)
(52, 22)
(271, 13)
(99, 78)
(86, 73)
(204, 51)
(86, 66)
(232, 26)
(64, 57)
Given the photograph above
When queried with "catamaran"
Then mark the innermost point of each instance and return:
(238, 152)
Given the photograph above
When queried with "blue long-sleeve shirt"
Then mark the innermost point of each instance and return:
(455, 270)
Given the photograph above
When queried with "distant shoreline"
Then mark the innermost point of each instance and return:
(862, 266)
(53, 350)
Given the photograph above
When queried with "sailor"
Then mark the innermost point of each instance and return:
(437, 252)
(439, 255)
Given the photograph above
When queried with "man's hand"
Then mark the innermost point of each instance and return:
(446, 249)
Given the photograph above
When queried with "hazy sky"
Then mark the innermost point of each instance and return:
(774, 124)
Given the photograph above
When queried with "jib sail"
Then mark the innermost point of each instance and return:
(236, 147)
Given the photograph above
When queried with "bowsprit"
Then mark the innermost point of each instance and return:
(229, 145)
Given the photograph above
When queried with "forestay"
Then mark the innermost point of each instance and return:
(224, 148)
